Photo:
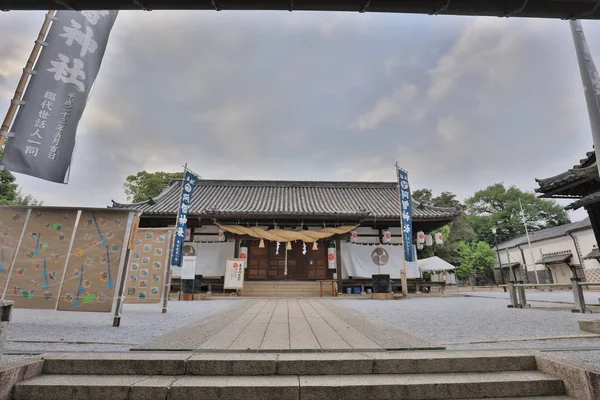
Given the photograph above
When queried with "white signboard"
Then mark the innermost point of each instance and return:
(234, 273)
(188, 267)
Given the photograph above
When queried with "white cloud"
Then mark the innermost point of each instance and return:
(399, 103)
(466, 102)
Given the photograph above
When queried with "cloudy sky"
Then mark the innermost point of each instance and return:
(459, 102)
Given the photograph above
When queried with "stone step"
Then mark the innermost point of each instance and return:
(229, 363)
(407, 387)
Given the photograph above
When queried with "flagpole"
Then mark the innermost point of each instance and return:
(167, 288)
(403, 272)
(27, 71)
(537, 279)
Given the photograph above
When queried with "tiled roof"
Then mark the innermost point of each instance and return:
(587, 200)
(568, 177)
(544, 234)
(225, 198)
(554, 258)
(594, 254)
(509, 265)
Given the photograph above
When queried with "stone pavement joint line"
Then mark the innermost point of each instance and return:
(288, 324)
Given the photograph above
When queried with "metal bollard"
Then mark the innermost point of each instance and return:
(5, 314)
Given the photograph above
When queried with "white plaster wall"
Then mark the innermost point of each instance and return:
(564, 243)
(587, 241)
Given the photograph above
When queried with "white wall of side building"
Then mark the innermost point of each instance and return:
(579, 244)
(587, 241)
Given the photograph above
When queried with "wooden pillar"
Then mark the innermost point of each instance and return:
(594, 214)
(236, 251)
(338, 257)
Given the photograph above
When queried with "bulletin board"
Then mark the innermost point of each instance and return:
(38, 270)
(12, 221)
(147, 265)
(93, 268)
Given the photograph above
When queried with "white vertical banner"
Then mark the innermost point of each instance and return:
(234, 273)
(331, 258)
(244, 253)
(387, 237)
(188, 267)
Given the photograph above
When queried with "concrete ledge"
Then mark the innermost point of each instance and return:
(582, 381)
(93, 387)
(232, 364)
(592, 326)
(236, 388)
(132, 363)
(16, 371)
(430, 386)
(324, 364)
(451, 361)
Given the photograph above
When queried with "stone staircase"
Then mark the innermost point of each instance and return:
(289, 289)
(408, 375)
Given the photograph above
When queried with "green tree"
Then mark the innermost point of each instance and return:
(424, 196)
(454, 234)
(11, 195)
(447, 199)
(498, 206)
(477, 256)
(144, 185)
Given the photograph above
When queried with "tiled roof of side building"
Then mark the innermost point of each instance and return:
(544, 234)
(289, 198)
(567, 177)
(585, 201)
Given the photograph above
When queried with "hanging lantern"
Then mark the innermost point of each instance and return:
(288, 246)
(261, 244)
(387, 236)
(315, 246)
(277, 249)
(331, 262)
(421, 237)
(303, 248)
(353, 236)
(244, 253)
(439, 239)
(221, 235)
(419, 246)
(428, 240)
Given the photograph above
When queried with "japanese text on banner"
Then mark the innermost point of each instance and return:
(46, 124)
(406, 214)
(189, 183)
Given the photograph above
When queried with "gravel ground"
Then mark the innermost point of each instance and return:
(139, 323)
(562, 296)
(455, 320)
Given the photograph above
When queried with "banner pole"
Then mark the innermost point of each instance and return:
(403, 273)
(168, 266)
(18, 96)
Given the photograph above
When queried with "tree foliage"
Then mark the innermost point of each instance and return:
(453, 234)
(477, 256)
(498, 206)
(144, 185)
(11, 195)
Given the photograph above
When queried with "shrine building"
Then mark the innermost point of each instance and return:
(292, 230)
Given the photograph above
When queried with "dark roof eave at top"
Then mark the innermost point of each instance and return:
(362, 217)
(308, 199)
(575, 176)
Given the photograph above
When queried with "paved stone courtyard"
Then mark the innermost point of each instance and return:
(288, 324)
(469, 323)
